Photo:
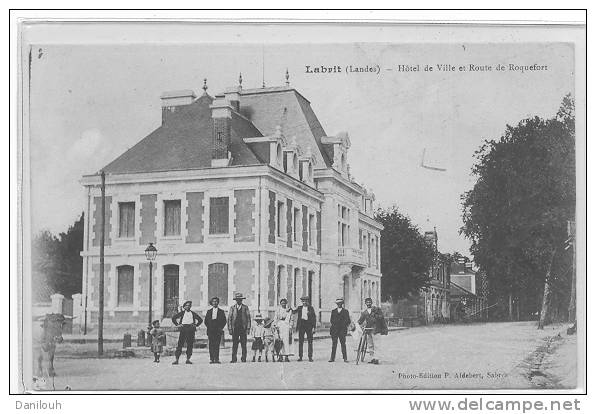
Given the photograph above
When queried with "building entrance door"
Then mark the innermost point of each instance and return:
(171, 291)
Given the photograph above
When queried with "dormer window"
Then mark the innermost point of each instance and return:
(280, 154)
(290, 162)
(306, 162)
(341, 145)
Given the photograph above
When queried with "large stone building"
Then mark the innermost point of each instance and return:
(241, 192)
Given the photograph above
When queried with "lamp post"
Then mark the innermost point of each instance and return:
(150, 253)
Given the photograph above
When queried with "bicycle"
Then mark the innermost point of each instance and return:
(363, 345)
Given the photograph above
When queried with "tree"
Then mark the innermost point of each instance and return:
(405, 255)
(516, 215)
(43, 264)
(57, 264)
(69, 279)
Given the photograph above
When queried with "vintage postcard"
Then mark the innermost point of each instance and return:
(256, 207)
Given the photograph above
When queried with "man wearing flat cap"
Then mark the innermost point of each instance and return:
(307, 319)
(340, 320)
(188, 321)
(239, 326)
(215, 321)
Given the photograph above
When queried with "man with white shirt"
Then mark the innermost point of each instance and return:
(372, 317)
(215, 321)
(307, 319)
(188, 321)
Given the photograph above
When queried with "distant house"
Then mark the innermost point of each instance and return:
(240, 192)
(468, 300)
(436, 296)
(429, 304)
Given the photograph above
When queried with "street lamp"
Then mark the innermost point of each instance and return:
(150, 253)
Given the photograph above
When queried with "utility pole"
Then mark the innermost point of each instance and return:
(101, 265)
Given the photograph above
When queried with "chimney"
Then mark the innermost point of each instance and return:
(233, 97)
(221, 112)
(172, 99)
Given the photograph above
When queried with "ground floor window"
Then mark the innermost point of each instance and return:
(125, 285)
(217, 282)
(171, 290)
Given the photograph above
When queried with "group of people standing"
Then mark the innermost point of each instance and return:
(273, 337)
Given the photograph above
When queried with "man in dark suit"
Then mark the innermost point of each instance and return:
(340, 320)
(239, 326)
(215, 321)
(307, 319)
(188, 321)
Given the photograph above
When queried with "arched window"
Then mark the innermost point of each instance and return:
(278, 281)
(217, 282)
(309, 285)
(125, 285)
(347, 291)
(374, 292)
(297, 282)
(171, 290)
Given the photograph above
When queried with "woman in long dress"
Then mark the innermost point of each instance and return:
(283, 322)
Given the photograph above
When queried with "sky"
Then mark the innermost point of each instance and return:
(90, 103)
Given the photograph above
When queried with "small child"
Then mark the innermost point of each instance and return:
(268, 339)
(258, 334)
(157, 339)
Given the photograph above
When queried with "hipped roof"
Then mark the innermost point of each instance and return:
(184, 140)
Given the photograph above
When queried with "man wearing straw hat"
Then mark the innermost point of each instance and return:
(239, 326)
(340, 320)
(188, 321)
